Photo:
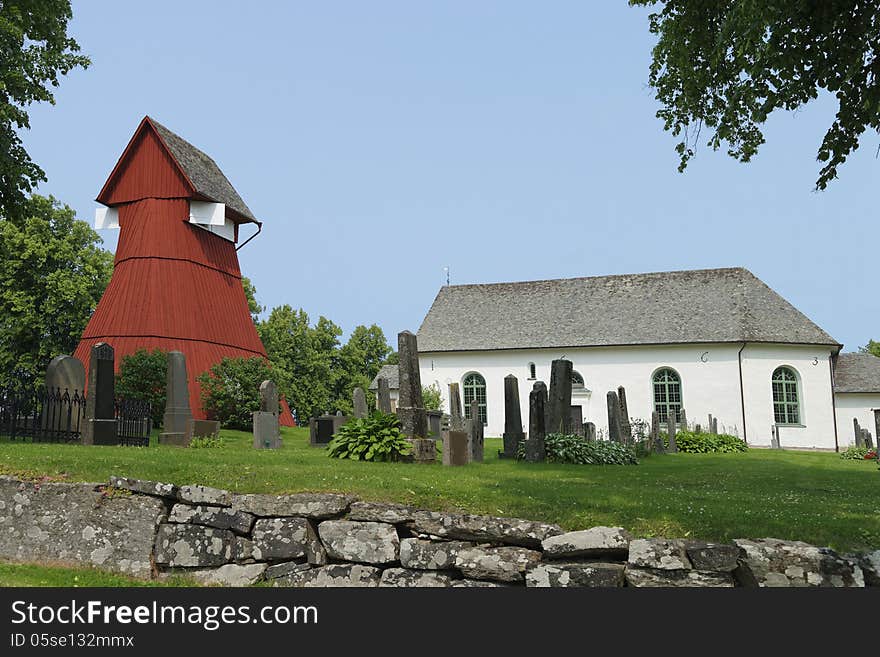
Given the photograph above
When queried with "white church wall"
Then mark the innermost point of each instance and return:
(811, 364)
(857, 405)
(709, 379)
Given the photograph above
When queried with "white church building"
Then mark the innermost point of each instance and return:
(715, 341)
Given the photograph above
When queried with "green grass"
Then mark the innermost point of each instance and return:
(810, 496)
(16, 574)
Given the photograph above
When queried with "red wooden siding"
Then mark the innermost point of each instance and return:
(175, 286)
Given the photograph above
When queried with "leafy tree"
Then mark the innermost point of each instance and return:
(143, 375)
(52, 275)
(392, 359)
(872, 347)
(726, 66)
(302, 358)
(356, 364)
(431, 397)
(250, 293)
(231, 390)
(34, 52)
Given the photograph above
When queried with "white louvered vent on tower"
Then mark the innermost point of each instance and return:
(212, 217)
(106, 218)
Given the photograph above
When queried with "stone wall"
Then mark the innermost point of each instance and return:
(322, 539)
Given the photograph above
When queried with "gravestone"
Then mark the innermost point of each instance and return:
(684, 420)
(99, 427)
(670, 428)
(383, 395)
(535, 448)
(359, 401)
(877, 430)
(513, 433)
(774, 437)
(625, 426)
(867, 439)
(178, 415)
(860, 441)
(715, 426)
(455, 448)
(267, 434)
(456, 417)
(559, 398)
(476, 433)
(410, 406)
(698, 428)
(203, 429)
(435, 423)
(655, 433)
(66, 373)
(589, 432)
(709, 426)
(321, 429)
(614, 431)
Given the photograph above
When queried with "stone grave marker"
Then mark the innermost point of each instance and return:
(455, 448)
(867, 439)
(359, 401)
(513, 433)
(857, 430)
(476, 433)
(456, 416)
(267, 433)
(321, 429)
(383, 395)
(559, 398)
(670, 428)
(535, 449)
(178, 415)
(410, 407)
(614, 430)
(66, 373)
(877, 430)
(684, 420)
(625, 425)
(99, 426)
(589, 432)
(715, 426)
(655, 433)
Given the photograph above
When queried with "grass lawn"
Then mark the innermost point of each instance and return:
(15, 574)
(810, 496)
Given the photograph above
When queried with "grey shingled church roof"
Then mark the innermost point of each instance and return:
(390, 373)
(709, 305)
(203, 172)
(857, 373)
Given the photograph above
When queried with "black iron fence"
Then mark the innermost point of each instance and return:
(58, 416)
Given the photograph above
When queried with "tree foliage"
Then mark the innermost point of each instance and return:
(143, 375)
(432, 398)
(873, 347)
(250, 293)
(231, 390)
(52, 275)
(727, 65)
(35, 52)
(314, 371)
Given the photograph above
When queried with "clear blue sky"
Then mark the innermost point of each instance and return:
(382, 141)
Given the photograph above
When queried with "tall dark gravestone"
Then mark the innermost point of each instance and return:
(411, 407)
(625, 426)
(536, 450)
(178, 415)
(684, 419)
(513, 433)
(383, 395)
(99, 427)
(559, 399)
(589, 432)
(655, 433)
(877, 430)
(614, 432)
(857, 430)
(456, 419)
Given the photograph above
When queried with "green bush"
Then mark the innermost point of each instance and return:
(431, 397)
(569, 448)
(374, 438)
(142, 375)
(691, 442)
(853, 453)
(231, 390)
